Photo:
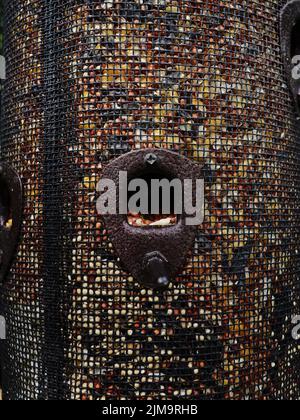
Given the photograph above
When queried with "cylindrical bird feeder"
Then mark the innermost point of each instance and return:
(136, 306)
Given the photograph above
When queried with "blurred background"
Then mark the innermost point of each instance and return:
(1, 27)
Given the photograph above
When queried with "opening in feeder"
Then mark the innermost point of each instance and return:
(160, 207)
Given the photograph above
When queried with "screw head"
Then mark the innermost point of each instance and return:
(151, 159)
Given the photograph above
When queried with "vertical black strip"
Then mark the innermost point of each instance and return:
(53, 207)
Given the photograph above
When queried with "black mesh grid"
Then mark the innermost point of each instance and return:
(90, 80)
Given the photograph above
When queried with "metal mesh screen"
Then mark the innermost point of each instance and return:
(90, 80)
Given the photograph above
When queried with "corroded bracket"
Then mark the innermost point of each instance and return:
(11, 203)
(290, 46)
(152, 255)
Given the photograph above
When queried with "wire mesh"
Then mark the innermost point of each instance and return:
(88, 81)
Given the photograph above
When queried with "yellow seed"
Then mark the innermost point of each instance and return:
(172, 9)
(8, 224)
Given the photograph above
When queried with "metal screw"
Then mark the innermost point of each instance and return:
(151, 159)
(157, 268)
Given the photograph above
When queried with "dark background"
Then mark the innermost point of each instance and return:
(1, 26)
